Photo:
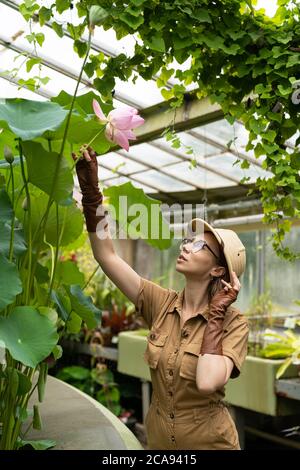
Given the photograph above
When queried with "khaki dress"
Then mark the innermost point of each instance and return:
(179, 417)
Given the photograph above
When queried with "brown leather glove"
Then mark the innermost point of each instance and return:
(87, 173)
(213, 333)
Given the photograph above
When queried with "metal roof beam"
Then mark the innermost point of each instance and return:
(94, 45)
(15, 80)
(134, 178)
(68, 72)
(192, 113)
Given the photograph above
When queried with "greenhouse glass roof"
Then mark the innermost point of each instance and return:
(153, 165)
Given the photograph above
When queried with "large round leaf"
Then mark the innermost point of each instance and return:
(70, 220)
(29, 336)
(30, 119)
(6, 210)
(7, 138)
(83, 306)
(42, 170)
(19, 240)
(67, 272)
(83, 103)
(83, 125)
(10, 282)
(153, 229)
(82, 130)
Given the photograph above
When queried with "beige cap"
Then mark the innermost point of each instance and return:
(234, 250)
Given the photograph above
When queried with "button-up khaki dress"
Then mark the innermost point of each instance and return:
(179, 416)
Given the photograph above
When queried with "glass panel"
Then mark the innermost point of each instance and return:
(148, 153)
(199, 176)
(201, 149)
(224, 131)
(282, 277)
(105, 174)
(225, 162)
(10, 90)
(59, 51)
(114, 160)
(12, 60)
(163, 182)
(144, 93)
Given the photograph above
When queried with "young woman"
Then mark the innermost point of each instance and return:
(197, 340)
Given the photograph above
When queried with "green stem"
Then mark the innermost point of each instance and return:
(90, 142)
(29, 247)
(50, 200)
(12, 229)
(55, 256)
(91, 277)
(20, 194)
(95, 136)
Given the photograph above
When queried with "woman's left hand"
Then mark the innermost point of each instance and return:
(226, 296)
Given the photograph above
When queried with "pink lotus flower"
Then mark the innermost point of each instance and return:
(119, 123)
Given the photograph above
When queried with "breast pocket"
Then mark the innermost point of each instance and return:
(155, 344)
(189, 361)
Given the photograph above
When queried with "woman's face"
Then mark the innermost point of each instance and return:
(203, 263)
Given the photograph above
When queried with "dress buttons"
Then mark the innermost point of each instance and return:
(170, 372)
(172, 415)
(173, 438)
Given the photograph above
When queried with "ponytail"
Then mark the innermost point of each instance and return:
(216, 285)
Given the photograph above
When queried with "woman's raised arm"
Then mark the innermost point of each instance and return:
(119, 272)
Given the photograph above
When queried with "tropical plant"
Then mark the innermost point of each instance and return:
(285, 346)
(98, 382)
(41, 294)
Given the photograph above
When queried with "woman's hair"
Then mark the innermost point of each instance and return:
(215, 284)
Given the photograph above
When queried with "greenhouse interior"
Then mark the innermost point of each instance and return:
(150, 225)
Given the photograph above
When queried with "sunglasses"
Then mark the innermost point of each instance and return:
(197, 245)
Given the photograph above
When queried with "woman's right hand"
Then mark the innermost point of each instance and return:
(87, 173)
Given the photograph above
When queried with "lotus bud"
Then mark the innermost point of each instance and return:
(97, 16)
(8, 155)
(25, 204)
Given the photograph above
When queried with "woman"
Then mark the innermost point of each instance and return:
(197, 340)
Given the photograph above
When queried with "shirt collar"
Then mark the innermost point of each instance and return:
(178, 303)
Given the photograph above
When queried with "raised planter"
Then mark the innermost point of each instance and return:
(78, 422)
(254, 389)
(131, 348)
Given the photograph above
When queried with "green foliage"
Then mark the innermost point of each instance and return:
(240, 58)
(285, 346)
(38, 158)
(28, 335)
(97, 382)
(30, 119)
(83, 306)
(148, 224)
(10, 282)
